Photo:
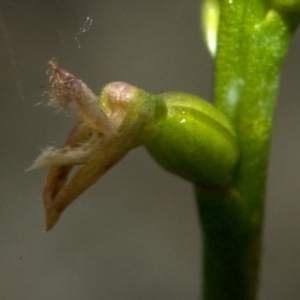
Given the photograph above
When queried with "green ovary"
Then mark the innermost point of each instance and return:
(194, 140)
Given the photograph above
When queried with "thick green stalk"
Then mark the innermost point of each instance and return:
(252, 43)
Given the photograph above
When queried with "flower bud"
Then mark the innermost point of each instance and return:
(186, 135)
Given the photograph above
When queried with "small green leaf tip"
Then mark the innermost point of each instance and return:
(288, 6)
(194, 140)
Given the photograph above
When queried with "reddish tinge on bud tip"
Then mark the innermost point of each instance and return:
(65, 87)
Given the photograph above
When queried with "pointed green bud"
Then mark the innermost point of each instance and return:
(210, 14)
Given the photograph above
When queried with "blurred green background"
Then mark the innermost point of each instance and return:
(135, 234)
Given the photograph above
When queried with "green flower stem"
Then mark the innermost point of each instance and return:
(252, 42)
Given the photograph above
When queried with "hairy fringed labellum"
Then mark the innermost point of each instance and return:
(194, 140)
